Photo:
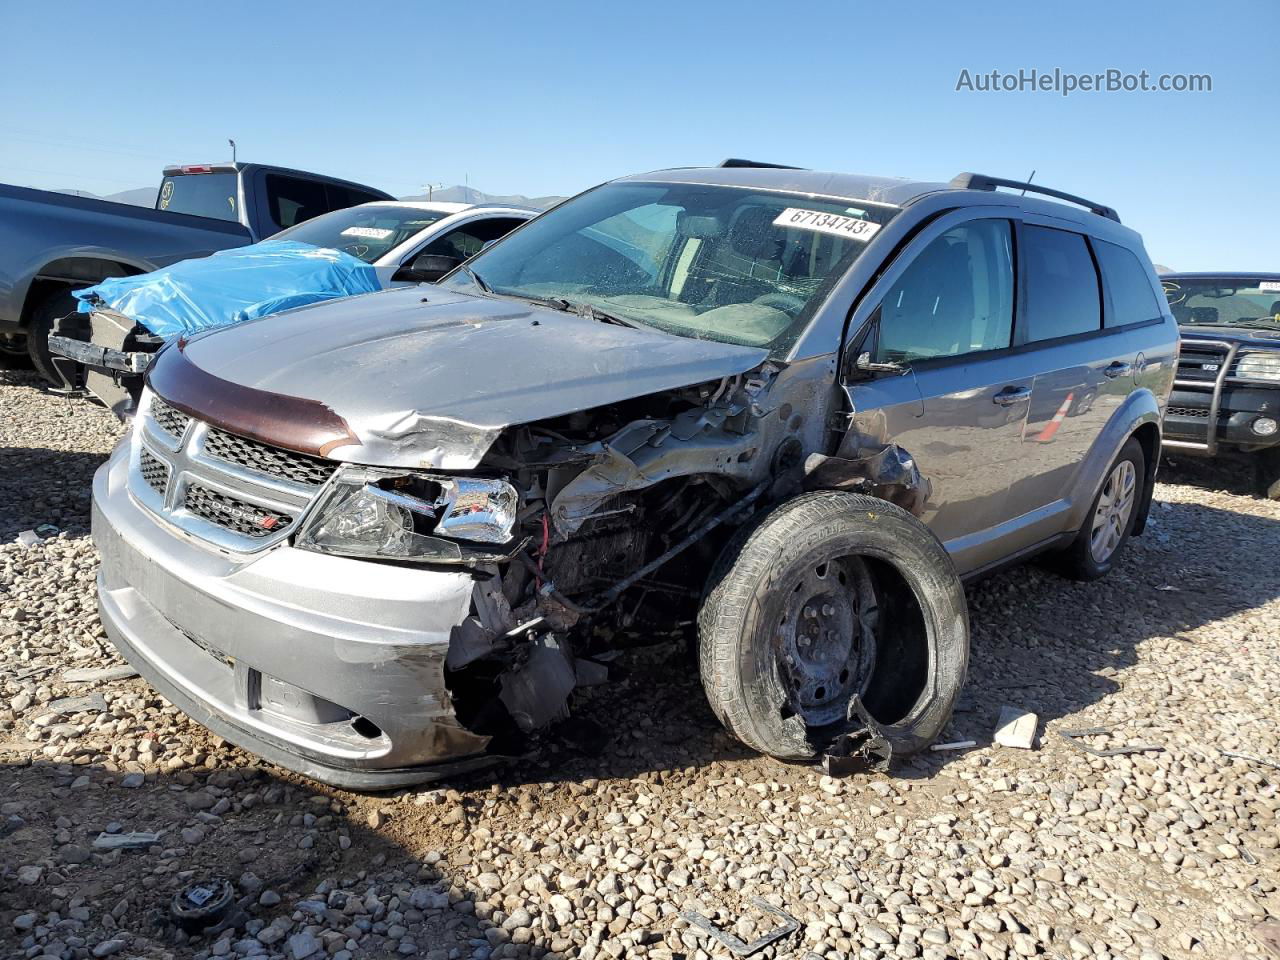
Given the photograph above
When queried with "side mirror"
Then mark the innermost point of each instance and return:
(867, 365)
(426, 268)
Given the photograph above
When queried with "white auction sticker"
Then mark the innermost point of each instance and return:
(367, 233)
(835, 223)
(1270, 286)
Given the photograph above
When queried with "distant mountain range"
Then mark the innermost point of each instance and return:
(146, 197)
(460, 194)
(141, 197)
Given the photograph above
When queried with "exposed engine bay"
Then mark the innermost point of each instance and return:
(616, 516)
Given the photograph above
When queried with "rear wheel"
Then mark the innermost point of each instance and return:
(829, 596)
(47, 312)
(1110, 520)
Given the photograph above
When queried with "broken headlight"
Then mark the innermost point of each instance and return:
(410, 517)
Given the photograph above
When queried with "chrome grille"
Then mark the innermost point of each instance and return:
(285, 464)
(155, 473)
(172, 421)
(237, 494)
(1200, 413)
(233, 513)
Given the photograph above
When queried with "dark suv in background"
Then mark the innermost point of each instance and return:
(1226, 398)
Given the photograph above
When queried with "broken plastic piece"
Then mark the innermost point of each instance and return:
(133, 840)
(735, 946)
(1072, 737)
(1016, 728)
(956, 745)
(890, 474)
(866, 748)
(537, 693)
(201, 903)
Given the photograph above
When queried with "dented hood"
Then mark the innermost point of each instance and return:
(422, 376)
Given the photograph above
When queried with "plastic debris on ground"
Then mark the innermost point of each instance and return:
(232, 286)
(1016, 728)
(134, 840)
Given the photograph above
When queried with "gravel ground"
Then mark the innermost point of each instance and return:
(591, 850)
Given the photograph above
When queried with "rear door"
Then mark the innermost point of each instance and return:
(1083, 372)
(944, 313)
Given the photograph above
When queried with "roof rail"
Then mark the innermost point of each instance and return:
(737, 162)
(981, 181)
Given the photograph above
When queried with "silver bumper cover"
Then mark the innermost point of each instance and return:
(328, 666)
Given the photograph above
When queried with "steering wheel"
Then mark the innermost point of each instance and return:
(356, 249)
(786, 302)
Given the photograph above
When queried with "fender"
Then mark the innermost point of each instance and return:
(1139, 408)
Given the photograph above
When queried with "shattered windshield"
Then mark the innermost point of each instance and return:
(1224, 303)
(366, 231)
(719, 263)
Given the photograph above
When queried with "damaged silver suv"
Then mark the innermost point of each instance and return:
(382, 539)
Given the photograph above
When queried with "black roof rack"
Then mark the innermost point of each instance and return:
(980, 181)
(738, 162)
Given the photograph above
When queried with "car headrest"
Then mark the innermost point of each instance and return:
(754, 236)
(1275, 309)
(1203, 315)
(699, 227)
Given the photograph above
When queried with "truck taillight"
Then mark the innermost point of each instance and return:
(198, 168)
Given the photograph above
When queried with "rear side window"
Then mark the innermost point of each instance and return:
(291, 200)
(1062, 284)
(468, 240)
(1131, 298)
(339, 198)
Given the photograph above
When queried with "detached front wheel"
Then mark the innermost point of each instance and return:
(829, 596)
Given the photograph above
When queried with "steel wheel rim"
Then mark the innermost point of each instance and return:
(826, 640)
(1111, 515)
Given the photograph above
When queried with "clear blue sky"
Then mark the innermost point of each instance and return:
(550, 97)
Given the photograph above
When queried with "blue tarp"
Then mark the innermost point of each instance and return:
(232, 286)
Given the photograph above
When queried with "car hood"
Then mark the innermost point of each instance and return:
(421, 376)
(1256, 335)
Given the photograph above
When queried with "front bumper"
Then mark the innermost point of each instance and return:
(328, 666)
(1189, 412)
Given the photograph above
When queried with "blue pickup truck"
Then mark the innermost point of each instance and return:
(53, 243)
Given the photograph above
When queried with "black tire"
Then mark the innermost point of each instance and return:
(13, 350)
(919, 612)
(1266, 466)
(43, 317)
(1078, 561)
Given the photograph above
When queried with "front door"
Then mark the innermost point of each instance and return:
(958, 405)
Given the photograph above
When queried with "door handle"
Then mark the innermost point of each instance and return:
(1117, 369)
(1011, 395)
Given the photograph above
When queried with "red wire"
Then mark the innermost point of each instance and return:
(546, 543)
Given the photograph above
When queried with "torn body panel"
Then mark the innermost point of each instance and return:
(890, 474)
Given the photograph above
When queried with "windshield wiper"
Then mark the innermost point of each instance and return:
(589, 311)
(477, 279)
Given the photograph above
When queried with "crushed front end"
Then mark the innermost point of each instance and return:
(375, 626)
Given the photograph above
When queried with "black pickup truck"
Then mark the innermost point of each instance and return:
(1226, 397)
(53, 243)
